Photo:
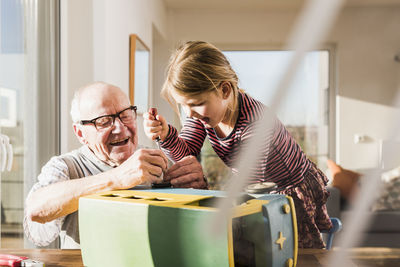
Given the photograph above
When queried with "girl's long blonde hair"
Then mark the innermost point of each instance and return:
(198, 67)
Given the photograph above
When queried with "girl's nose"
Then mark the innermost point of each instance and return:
(188, 111)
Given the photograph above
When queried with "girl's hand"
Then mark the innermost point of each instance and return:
(155, 126)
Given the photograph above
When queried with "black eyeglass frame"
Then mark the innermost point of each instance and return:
(114, 116)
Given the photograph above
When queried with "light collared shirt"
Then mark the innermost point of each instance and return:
(57, 170)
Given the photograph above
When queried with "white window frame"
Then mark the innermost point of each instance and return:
(332, 89)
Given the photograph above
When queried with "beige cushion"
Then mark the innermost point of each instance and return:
(345, 180)
(389, 199)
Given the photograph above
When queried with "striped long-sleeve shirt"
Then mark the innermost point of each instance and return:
(282, 160)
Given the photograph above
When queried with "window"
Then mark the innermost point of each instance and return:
(305, 110)
(28, 103)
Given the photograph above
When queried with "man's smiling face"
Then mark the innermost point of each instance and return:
(116, 143)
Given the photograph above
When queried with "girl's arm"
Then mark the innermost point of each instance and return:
(189, 141)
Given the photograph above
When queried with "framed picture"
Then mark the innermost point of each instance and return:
(139, 73)
(8, 107)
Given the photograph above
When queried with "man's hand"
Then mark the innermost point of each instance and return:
(62, 198)
(186, 173)
(144, 166)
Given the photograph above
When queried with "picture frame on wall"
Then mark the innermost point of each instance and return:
(139, 73)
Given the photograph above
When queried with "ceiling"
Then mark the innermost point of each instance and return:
(264, 4)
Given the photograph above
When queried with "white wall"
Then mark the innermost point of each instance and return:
(374, 122)
(161, 54)
(113, 22)
(76, 66)
(367, 77)
(95, 47)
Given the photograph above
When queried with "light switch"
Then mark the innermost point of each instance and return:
(359, 138)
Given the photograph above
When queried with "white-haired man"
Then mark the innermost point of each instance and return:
(105, 124)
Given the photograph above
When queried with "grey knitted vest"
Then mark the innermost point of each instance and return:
(81, 163)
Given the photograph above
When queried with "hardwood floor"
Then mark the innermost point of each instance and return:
(12, 242)
(12, 236)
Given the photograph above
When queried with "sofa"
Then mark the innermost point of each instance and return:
(383, 230)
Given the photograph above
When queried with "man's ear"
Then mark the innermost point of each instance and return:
(226, 89)
(79, 133)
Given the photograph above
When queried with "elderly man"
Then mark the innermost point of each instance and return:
(105, 124)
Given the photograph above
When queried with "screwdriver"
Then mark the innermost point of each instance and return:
(153, 111)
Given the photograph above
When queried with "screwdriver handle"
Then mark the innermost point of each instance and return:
(153, 111)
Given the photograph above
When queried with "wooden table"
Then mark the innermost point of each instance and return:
(50, 257)
(360, 257)
(385, 257)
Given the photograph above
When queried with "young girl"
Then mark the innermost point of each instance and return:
(201, 81)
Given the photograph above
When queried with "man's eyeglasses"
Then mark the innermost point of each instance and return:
(126, 116)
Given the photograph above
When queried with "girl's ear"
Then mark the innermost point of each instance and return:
(226, 89)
